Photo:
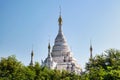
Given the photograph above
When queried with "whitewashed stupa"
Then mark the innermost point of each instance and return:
(60, 57)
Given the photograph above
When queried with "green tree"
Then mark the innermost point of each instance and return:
(29, 73)
(105, 66)
(11, 69)
(38, 70)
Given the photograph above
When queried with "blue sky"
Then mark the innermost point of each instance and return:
(24, 23)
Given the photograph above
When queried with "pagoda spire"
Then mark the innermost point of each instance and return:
(49, 54)
(31, 62)
(91, 49)
(60, 21)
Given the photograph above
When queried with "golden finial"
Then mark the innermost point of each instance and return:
(60, 18)
(49, 44)
(90, 45)
(32, 51)
(91, 49)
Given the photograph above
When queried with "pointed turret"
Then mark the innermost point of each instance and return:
(49, 54)
(91, 49)
(31, 62)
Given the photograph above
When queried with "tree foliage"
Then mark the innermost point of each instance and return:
(102, 67)
(105, 66)
(12, 69)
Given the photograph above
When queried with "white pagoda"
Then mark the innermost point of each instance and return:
(60, 57)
